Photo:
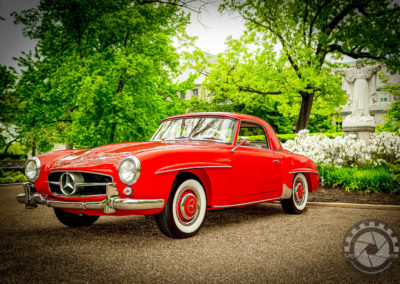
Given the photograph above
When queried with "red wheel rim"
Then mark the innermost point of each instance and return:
(300, 191)
(187, 207)
(299, 195)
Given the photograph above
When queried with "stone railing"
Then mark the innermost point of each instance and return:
(12, 165)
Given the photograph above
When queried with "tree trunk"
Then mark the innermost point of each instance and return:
(69, 146)
(8, 146)
(112, 133)
(34, 150)
(305, 110)
(120, 86)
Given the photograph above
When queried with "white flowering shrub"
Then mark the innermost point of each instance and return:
(385, 147)
(346, 151)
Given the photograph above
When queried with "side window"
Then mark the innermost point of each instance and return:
(255, 133)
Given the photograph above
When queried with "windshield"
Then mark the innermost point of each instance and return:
(215, 129)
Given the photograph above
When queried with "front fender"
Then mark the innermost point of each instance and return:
(190, 166)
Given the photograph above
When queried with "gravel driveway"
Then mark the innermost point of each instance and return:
(253, 244)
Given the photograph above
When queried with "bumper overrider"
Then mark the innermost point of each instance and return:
(110, 204)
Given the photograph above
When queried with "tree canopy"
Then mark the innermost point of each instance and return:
(8, 106)
(102, 71)
(284, 52)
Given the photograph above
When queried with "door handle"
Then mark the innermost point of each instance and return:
(276, 161)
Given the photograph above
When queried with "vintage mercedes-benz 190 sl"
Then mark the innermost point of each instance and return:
(193, 163)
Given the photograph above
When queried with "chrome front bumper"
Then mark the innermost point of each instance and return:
(112, 202)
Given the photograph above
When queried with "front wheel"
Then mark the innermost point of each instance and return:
(296, 204)
(185, 211)
(74, 220)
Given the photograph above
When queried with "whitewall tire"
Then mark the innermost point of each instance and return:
(185, 210)
(297, 203)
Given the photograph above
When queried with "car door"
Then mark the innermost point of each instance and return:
(257, 169)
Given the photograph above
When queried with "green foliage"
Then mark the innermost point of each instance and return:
(16, 149)
(296, 81)
(8, 105)
(259, 82)
(12, 176)
(285, 137)
(392, 118)
(1, 173)
(100, 73)
(372, 179)
(395, 169)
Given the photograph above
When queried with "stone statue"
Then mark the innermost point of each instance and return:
(360, 86)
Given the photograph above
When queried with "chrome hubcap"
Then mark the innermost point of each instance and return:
(299, 195)
(188, 207)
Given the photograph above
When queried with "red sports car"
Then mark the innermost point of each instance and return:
(193, 163)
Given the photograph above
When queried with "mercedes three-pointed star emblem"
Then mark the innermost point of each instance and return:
(67, 183)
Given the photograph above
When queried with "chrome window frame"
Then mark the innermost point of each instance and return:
(206, 116)
(262, 127)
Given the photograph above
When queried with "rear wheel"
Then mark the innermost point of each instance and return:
(74, 220)
(296, 204)
(185, 211)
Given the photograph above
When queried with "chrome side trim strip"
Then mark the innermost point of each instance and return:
(112, 202)
(246, 203)
(286, 193)
(191, 168)
(296, 172)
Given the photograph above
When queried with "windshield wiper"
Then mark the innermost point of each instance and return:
(177, 138)
(193, 138)
(212, 138)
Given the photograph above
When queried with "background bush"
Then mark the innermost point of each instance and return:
(12, 176)
(346, 151)
(285, 137)
(371, 179)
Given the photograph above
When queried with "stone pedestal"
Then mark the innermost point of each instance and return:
(362, 127)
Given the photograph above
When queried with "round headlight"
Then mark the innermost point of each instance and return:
(32, 169)
(129, 170)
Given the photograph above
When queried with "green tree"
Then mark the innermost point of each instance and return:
(305, 33)
(252, 77)
(392, 118)
(102, 71)
(8, 107)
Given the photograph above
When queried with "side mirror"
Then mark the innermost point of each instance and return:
(244, 141)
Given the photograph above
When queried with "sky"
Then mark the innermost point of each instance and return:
(211, 28)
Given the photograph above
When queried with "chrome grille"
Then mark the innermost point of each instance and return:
(89, 184)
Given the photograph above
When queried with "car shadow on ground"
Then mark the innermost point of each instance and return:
(229, 217)
(140, 226)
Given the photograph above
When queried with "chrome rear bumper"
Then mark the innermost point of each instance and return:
(113, 202)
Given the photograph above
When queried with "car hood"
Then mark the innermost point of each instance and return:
(111, 154)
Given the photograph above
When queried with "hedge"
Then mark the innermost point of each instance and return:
(285, 137)
(12, 177)
(371, 179)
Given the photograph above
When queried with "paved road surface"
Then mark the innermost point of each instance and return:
(254, 244)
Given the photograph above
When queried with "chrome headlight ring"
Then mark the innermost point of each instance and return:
(32, 169)
(129, 170)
